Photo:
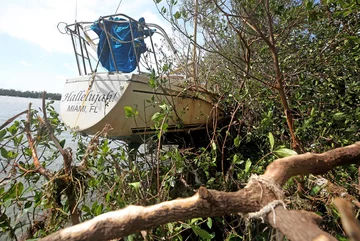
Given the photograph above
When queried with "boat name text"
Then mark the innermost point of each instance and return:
(91, 96)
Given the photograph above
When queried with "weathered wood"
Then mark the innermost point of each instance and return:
(205, 203)
(261, 192)
(282, 169)
(350, 224)
(298, 225)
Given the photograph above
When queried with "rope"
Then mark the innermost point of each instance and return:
(118, 7)
(267, 182)
(86, 95)
(90, 85)
(279, 194)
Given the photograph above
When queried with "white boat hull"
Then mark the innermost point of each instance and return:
(88, 110)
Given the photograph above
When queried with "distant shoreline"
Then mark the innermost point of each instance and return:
(29, 94)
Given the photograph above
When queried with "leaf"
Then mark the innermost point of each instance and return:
(170, 227)
(37, 197)
(185, 225)
(11, 193)
(130, 238)
(213, 145)
(164, 107)
(284, 152)
(19, 189)
(312, 113)
(62, 143)
(237, 141)
(164, 127)
(129, 112)
(4, 152)
(339, 116)
(135, 185)
(107, 197)
(315, 190)
(202, 233)
(156, 117)
(309, 5)
(99, 209)
(163, 10)
(209, 223)
(194, 220)
(13, 129)
(2, 134)
(94, 206)
(86, 209)
(271, 140)
(177, 15)
(28, 204)
(247, 165)
(236, 159)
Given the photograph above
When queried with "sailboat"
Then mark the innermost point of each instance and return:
(130, 90)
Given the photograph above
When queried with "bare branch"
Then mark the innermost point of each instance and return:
(287, 222)
(258, 195)
(66, 155)
(39, 168)
(350, 224)
(135, 218)
(282, 169)
(94, 142)
(70, 190)
(12, 119)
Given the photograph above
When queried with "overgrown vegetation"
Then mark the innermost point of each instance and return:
(287, 74)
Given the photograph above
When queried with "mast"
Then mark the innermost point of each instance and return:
(195, 36)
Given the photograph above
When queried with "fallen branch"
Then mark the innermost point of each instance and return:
(135, 218)
(282, 169)
(259, 194)
(350, 224)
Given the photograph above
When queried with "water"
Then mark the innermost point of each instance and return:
(11, 106)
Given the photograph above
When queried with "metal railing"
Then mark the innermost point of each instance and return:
(83, 37)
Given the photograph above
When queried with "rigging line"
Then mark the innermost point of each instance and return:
(89, 86)
(76, 3)
(118, 7)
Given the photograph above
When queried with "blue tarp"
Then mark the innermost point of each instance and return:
(125, 58)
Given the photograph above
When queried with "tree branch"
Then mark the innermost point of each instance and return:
(135, 218)
(38, 167)
(66, 155)
(282, 169)
(287, 222)
(12, 119)
(258, 195)
(349, 222)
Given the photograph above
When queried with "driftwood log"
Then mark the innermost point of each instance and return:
(261, 198)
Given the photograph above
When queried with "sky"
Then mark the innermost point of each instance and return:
(34, 55)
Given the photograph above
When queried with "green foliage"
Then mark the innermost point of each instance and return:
(317, 44)
(129, 112)
(318, 51)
